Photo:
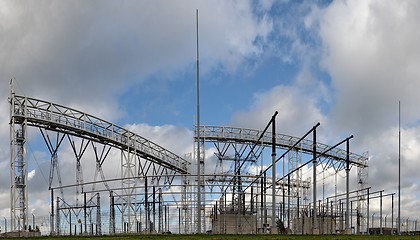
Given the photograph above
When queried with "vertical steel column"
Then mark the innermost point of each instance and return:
(252, 200)
(273, 180)
(146, 205)
(380, 213)
(265, 201)
(347, 185)
(332, 216)
(399, 170)
(314, 164)
(341, 215)
(288, 201)
(224, 215)
(98, 214)
(165, 218)
(262, 201)
(351, 217)
(57, 222)
(85, 212)
(141, 219)
(198, 140)
(111, 213)
(326, 213)
(179, 220)
(367, 212)
(70, 223)
(160, 222)
(392, 214)
(297, 212)
(154, 209)
(18, 164)
(52, 213)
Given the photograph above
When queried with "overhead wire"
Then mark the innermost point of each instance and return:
(36, 161)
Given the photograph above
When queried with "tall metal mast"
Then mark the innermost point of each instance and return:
(18, 165)
(399, 168)
(198, 139)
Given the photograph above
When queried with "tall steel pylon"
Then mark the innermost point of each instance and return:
(199, 155)
(128, 173)
(18, 166)
(362, 208)
(186, 199)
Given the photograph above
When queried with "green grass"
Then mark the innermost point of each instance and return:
(235, 237)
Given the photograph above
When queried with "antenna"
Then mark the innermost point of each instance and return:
(399, 168)
(198, 139)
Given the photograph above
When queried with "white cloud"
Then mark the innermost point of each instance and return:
(298, 111)
(84, 56)
(371, 51)
(31, 174)
(372, 54)
(176, 139)
(81, 55)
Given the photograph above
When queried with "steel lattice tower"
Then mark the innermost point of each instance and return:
(18, 166)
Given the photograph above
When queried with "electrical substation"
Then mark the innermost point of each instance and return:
(234, 181)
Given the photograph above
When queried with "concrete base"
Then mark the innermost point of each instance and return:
(24, 234)
(347, 232)
(274, 230)
(315, 231)
(232, 223)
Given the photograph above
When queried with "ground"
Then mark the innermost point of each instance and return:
(237, 237)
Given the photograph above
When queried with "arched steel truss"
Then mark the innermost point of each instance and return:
(142, 158)
(223, 134)
(139, 155)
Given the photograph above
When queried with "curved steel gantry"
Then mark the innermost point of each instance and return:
(231, 144)
(48, 115)
(26, 111)
(250, 136)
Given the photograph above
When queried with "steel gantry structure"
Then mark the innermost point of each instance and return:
(235, 192)
(26, 111)
(233, 144)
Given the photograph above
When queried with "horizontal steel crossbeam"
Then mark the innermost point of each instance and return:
(243, 135)
(56, 117)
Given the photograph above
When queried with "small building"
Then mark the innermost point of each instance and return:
(384, 231)
(326, 225)
(233, 223)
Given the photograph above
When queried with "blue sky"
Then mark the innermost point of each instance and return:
(345, 64)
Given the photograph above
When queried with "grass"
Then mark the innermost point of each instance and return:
(234, 237)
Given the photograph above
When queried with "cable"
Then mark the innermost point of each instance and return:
(36, 161)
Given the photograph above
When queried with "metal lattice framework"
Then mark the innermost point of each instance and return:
(26, 111)
(56, 117)
(240, 139)
(243, 135)
(137, 153)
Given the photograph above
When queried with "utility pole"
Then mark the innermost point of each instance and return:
(399, 169)
(198, 140)
(273, 158)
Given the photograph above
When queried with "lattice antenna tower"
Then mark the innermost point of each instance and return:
(18, 165)
(186, 200)
(296, 183)
(362, 174)
(200, 186)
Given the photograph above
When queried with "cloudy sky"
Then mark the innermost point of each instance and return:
(345, 64)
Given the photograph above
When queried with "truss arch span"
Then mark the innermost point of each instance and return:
(48, 115)
(31, 112)
(283, 141)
